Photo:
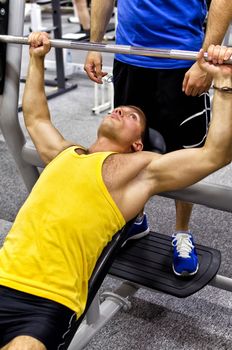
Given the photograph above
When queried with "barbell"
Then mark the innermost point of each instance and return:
(111, 48)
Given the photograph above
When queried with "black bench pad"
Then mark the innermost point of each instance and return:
(148, 261)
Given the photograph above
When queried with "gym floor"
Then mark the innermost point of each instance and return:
(156, 321)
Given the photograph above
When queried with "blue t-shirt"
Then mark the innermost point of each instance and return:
(167, 24)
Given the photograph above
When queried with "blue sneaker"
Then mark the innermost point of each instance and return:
(139, 229)
(185, 260)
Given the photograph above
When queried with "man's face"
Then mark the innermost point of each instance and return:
(122, 124)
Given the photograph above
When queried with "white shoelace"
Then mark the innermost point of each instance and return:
(183, 244)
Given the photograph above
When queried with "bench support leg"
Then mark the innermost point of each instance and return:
(99, 314)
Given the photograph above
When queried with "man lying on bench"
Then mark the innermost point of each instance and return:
(83, 197)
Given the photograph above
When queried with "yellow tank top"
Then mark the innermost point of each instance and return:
(61, 230)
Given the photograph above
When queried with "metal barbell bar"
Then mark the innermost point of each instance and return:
(123, 49)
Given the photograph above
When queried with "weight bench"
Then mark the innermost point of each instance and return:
(142, 263)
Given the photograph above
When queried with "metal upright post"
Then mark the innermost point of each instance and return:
(56, 14)
(62, 86)
(9, 122)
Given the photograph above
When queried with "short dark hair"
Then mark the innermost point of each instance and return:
(143, 120)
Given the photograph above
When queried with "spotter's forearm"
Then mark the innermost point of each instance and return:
(101, 12)
(219, 18)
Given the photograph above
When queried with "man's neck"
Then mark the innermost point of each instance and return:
(106, 145)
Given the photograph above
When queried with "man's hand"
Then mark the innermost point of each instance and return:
(39, 44)
(218, 54)
(93, 67)
(216, 57)
(196, 81)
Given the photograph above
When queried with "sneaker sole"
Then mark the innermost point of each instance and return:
(185, 273)
(73, 20)
(139, 235)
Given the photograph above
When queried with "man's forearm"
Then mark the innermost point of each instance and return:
(219, 18)
(34, 98)
(219, 138)
(101, 12)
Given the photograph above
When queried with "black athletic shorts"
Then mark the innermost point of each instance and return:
(26, 314)
(182, 120)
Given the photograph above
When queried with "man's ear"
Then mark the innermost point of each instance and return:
(137, 146)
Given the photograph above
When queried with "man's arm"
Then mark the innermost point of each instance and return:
(219, 18)
(46, 138)
(101, 12)
(196, 80)
(182, 168)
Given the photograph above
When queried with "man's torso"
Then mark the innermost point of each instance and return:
(61, 230)
(168, 24)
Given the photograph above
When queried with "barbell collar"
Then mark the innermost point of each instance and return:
(111, 48)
